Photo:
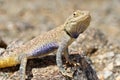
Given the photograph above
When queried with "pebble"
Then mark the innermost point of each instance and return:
(109, 67)
(118, 78)
(107, 74)
(117, 60)
(1, 50)
(100, 57)
(109, 54)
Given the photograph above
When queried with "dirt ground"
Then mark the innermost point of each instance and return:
(24, 19)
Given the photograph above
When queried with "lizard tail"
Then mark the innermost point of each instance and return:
(8, 61)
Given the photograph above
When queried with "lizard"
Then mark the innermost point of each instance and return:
(57, 39)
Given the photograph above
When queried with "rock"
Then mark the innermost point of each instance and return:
(107, 74)
(109, 67)
(118, 78)
(90, 41)
(110, 54)
(117, 60)
(1, 50)
(100, 57)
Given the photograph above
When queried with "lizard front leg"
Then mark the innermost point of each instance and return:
(60, 64)
(23, 60)
(61, 49)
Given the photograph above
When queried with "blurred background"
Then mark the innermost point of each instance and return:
(28, 18)
(25, 19)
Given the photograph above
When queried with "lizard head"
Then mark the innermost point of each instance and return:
(77, 23)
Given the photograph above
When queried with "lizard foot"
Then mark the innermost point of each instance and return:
(71, 62)
(67, 73)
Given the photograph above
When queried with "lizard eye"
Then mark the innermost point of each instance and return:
(74, 14)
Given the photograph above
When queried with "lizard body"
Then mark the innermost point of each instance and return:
(58, 39)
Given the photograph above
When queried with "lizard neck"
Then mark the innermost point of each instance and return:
(72, 35)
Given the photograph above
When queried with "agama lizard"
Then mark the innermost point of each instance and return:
(57, 39)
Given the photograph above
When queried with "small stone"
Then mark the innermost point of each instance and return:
(117, 62)
(110, 54)
(109, 67)
(101, 57)
(107, 74)
(118, 78)
(1, 50)
(100, 75)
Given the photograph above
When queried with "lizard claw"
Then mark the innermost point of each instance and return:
(72, 63)
(67, 73)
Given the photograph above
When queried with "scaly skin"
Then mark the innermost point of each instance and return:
(57, 39)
